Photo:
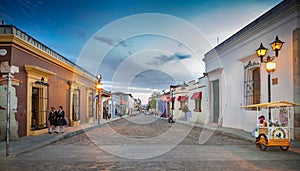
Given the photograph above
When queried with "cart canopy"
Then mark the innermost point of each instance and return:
(273, 104)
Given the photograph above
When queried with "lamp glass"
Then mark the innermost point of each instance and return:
(270, 66)
(261, 51)
(277, 44)
(99, 76)
(99, 86)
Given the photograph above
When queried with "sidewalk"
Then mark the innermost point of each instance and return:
(232, 132)
(29, 143)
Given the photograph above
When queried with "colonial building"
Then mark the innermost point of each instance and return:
(123, 104)
(180, 95)
(48, 79)
(237, 76)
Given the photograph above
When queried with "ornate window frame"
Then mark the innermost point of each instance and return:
(34, 74)
(252, 86)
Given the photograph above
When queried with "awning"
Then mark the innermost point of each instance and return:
(182, 98)
(197, 96)
(273, 104)
(123, 102)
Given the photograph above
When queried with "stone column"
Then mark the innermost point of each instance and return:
(296, 81)
(13, 107)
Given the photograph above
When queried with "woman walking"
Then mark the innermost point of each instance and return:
(52, 120)
(60, 120)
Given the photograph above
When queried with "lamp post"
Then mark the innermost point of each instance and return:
(270, 65)
(99, 88)
(172, 88)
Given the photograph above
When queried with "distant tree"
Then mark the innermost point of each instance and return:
(148, 106)
(152, 100)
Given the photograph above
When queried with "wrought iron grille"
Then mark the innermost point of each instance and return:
(76, 105)
(39, 103)
(252, 83)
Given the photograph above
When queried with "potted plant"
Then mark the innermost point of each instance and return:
(185, 109)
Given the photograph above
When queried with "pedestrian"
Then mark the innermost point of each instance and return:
(262, 121)
(171, 119)
(108, 113)
(52, 120)
(105, 115)
(60, 121)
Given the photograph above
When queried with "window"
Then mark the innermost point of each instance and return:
(182, 104)
(182, 101)
(252, 92)
(197, 106)
(76, 105)
(197, 97)
(39, 101)
(90, 104)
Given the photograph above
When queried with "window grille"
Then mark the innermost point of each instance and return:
(90, 104)
(39, 103)
(252, 83)
(76, 105)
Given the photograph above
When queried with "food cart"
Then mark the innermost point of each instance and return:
(277, 130)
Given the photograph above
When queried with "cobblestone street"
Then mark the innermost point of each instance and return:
(149, 143)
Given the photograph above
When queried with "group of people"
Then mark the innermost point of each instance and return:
(57, 120)
(106, 115)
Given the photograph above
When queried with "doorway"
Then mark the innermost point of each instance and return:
(216, 101)
(39, 115)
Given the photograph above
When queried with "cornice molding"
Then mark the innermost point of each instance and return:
(38, 72)
(12, 40)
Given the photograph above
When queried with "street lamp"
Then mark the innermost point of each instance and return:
(99, 88)
(270, 65)
(172, 89)
(276, 45)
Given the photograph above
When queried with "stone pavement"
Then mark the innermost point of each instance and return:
(230, 132)
(29, 143)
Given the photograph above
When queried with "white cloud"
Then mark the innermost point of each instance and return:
(149, 36)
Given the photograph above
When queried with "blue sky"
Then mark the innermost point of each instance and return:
(148, 44)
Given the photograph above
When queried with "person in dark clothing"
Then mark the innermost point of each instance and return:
(105, 116)
(108, 113)
(52, 120)
(171, 119)
(60, 120)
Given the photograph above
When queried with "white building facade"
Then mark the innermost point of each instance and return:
(181, 99)
(198, 100)
(236, 77)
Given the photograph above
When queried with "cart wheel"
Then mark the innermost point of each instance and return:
(262, 139)
(262, 146)
(284, 148)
